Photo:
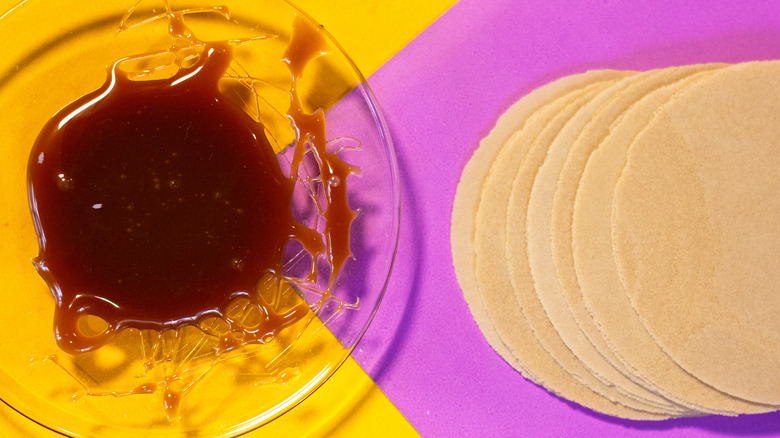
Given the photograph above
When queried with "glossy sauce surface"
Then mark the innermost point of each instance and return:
(158, 202)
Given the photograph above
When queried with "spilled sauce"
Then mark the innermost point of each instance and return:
(158, 202)
(307, 43)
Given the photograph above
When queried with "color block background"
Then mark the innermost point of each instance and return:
(441, 94)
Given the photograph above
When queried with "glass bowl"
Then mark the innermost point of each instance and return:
(179, 381)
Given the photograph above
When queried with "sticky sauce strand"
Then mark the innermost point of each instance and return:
(306, 44)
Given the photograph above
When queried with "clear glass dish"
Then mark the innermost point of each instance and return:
(54, 52)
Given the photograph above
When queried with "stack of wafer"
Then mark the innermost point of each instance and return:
(617, 239)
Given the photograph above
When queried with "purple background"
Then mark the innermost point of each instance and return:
(441, 95)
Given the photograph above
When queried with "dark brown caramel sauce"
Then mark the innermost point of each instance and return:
(158, 202)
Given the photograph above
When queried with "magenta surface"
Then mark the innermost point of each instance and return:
(441, 95)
